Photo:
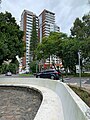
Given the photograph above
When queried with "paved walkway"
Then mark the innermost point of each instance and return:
(18, 103)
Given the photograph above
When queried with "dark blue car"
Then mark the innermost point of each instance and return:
(51, 74)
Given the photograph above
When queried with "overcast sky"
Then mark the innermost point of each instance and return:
(66, 11)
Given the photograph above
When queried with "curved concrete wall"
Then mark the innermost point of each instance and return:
(59, 101)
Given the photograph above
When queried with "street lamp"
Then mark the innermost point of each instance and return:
(79, 53)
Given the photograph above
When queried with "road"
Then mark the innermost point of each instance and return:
(76, 80)
(85, 82)
(73, 80)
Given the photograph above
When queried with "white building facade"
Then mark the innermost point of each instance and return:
(26, 26)
(47, 24)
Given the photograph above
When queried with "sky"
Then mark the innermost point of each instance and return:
(66, 11)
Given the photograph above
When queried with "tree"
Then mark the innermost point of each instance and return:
(81, 32)
(81, 28)
(33, 39)
(85, 49)
(86, 21)
(33, 66)
(77, 30)
(70, 54)
(62, 46)
(50, 46)
(41, 49)
(11, 36)
(12, 67)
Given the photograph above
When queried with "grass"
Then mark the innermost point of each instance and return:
(83, 75)
(76, 75)
(83, 94)
(25, 75)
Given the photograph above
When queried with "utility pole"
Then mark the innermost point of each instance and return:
(79, 52)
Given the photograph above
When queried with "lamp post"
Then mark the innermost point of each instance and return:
(79, 52)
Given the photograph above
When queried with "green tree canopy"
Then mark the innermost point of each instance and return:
(50, 45)
(70, 53)
(62, 46)
(81, 32)
(34, 38)
(81, 28)
(67, 48)
(11, 36)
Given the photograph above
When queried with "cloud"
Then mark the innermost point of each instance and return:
(66, 11)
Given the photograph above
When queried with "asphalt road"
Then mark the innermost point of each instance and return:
(76, 80)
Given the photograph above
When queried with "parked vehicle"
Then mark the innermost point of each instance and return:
(8, 74)
(51, 74)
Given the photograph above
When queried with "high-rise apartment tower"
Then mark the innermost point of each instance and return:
(26, 26)
(47, 24)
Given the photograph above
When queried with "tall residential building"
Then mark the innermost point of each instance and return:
(47, 24)
(26, 26)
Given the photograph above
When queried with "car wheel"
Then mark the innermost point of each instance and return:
(52, 77)
(38, 76)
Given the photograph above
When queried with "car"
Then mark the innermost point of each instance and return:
(8, 74)
(51, 74)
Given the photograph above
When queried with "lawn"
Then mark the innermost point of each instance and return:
(25, 75)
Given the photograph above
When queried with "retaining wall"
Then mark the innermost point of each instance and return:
(59, 101)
